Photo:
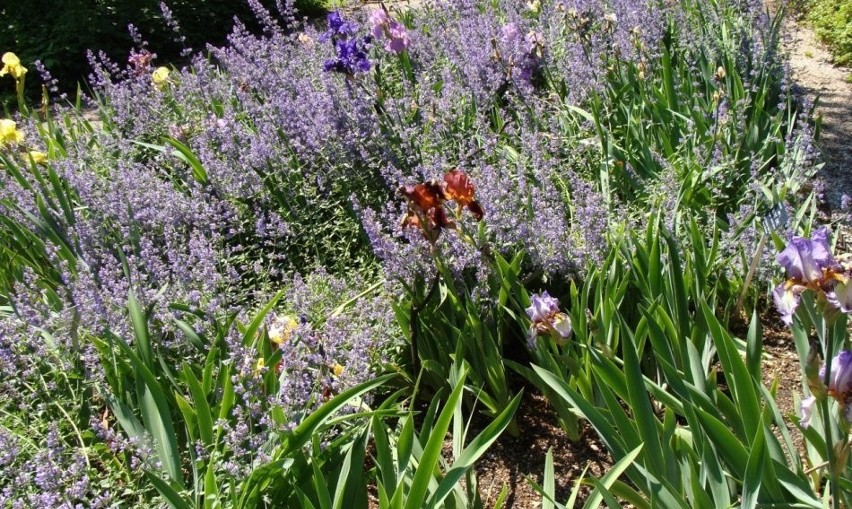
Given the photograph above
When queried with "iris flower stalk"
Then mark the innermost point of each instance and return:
(811, 267)
(12, 66)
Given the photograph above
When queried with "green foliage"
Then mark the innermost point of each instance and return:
(690, 390)
(832, 21)
(652, 365)
(444, 321)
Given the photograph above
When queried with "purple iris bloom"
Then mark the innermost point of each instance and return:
(786, 301)
(351, 52)
(804, 259)
(546, 319)
(807, 409)
(840, 378)
(337, 27)
(351, 57)
(542, 307)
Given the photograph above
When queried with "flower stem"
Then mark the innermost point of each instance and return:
(826, 416)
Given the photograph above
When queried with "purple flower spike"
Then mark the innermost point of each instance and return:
(804, 259)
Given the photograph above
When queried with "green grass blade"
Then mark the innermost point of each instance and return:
(432, 450)
(477, 447)
(172, 497)
(610, 477)
(202, 408)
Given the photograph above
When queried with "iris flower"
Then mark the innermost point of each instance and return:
(9, 133)
(160, 76)
(840, 378)
(382, 26)
(350, 51)
(37, 156)
(809, 265)
(807, 409)
(808, 260)
(282, 329)
(426, 203)
(458, 188)
(547, 319)
(839, 387)
(12, 65)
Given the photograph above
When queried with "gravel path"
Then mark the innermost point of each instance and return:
(826, 84)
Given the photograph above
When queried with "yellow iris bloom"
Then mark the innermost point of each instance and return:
(281, 329)
(9, 132)
(337, 370)
(160, 76)
(12, 65)
(259, 367)
(38, 157)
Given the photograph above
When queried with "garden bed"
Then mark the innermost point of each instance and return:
(471, 254)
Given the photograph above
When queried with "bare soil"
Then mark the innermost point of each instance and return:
(827, 85)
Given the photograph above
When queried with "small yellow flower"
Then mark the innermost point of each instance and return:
(337, 370)
(534, 6)
(259, 367)
(12, 65)
(37, 157)
(9, 133)
(281, 329)
(160, 76)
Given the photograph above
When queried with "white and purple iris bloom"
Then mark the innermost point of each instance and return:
(839, 387)
(547, 319)
(809, 264)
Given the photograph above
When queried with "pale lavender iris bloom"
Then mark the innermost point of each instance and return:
(841, 296)
(839, 387)
(804, 259)
(383, 26)
(840, 378)
(786, 301)
(542, 307)
(546, 318)
(807, 409)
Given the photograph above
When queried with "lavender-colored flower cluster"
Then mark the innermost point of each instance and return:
(39, 467)
(270, 158)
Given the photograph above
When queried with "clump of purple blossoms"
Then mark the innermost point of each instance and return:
(350, 50)
(523, 52)
(330, 349)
